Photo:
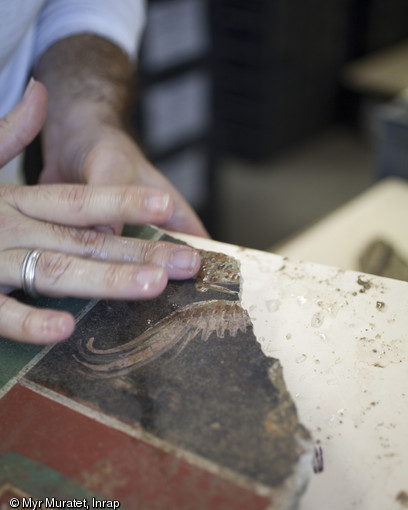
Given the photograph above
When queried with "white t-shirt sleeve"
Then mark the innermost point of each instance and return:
(120, 21)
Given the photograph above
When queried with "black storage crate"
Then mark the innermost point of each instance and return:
(276, 65)
(174, 109)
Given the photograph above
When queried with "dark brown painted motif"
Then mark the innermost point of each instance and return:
(187, 368)
(196, 319)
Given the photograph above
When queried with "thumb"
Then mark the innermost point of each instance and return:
(19, 127)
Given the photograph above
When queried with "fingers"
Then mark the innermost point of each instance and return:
(60, 274)
(23, 232)
(83, 206)
(21, 125)
(119, 152)
(37, 326)
(179, 261)
(184, 219)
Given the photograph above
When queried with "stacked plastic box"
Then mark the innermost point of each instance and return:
(276, 70)
(174, 109)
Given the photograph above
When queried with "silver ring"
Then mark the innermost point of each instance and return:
(28, 272)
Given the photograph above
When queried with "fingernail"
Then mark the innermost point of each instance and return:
(29, 88)
(157, 203)
(149, 276)
(184, 259)
(55, 325)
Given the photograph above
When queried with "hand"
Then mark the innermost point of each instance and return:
(76, 260)
(88, 79)
(85, 149)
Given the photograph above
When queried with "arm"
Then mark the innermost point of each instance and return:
(88, 81)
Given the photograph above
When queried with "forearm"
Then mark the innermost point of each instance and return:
(85, 138)
(88, 80)
(85, 74)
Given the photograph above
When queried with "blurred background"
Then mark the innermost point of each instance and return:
(269, 114)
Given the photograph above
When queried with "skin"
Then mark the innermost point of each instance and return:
(84, 136)
(68, 223)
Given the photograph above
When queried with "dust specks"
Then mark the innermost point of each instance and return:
(402, 497)
(380, 305)
(317, 320)
(301, 358)
(379, 352)
(365, 284)
(318, 464)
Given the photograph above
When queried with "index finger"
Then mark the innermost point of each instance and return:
(84, 205)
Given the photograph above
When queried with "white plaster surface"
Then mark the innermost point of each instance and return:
(342, 339)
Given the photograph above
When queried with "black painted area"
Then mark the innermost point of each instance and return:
(212, 395)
